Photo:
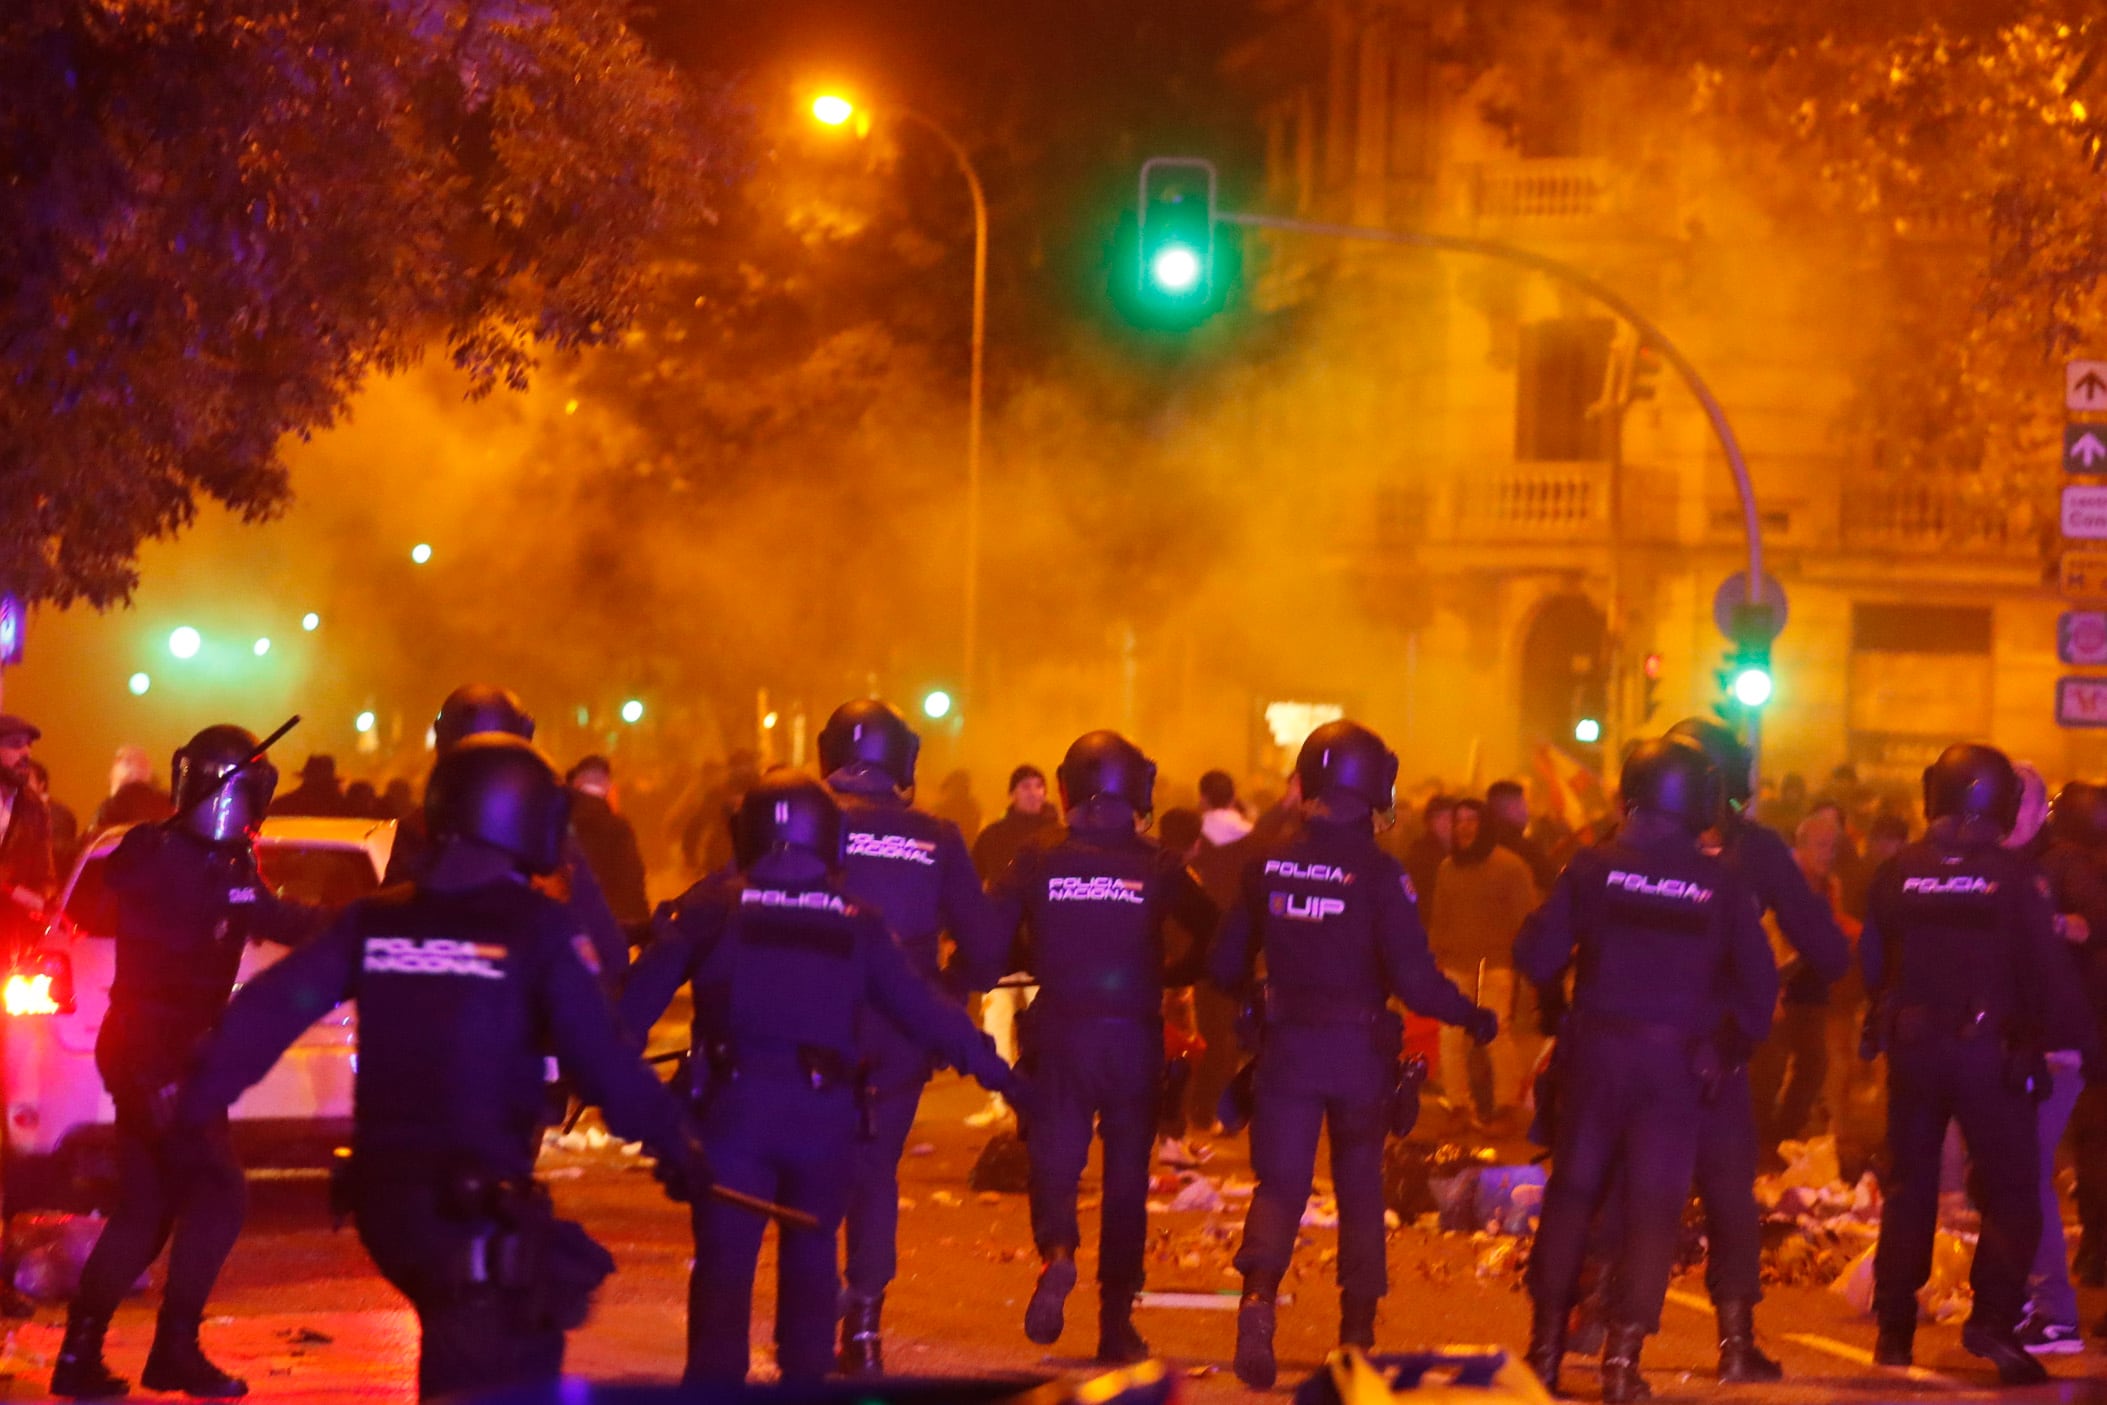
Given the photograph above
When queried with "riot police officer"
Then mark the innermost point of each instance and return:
(1092, 909)
(1968, 988)
(460, 980)
(1667, 946)
(472, 710)
(1727, 1141)
(1337, 921)
(913, 868)
(189, 898)
(784, 965)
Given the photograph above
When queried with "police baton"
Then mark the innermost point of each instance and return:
(781, 1214)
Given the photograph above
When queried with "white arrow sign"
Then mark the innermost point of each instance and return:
(2085, 385)
(2085, 450)
(2085, 513)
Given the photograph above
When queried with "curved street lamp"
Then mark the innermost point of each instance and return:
(834, 110)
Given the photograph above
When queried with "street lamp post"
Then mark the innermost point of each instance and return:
(834, 111)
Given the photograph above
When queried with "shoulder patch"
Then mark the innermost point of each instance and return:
(588, 955)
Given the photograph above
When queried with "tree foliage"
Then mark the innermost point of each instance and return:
(223, 215)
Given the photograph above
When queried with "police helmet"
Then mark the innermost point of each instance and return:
(222, 787)
(1345, 762)
(1726, 750)
(1673, 776)
(498, 790)
(786, 810)
(1106, 766)
(870, 732)
(1973, 782)
(480, 707)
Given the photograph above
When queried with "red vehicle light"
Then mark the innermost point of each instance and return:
(26, 994)
(40, 984)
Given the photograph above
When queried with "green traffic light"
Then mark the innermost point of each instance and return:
(1752, 687)
(1176, 269)
(1587, 731)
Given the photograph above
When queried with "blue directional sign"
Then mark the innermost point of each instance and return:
(13, 626)
(2085, 448)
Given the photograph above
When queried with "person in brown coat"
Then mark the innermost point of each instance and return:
(1482, 893)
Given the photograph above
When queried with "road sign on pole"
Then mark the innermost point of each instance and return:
(2081, 637)
(2081, 702)
(2083, 575)
(2085, 385)
(2085, 512)
(2085, 448)
(1733, 594)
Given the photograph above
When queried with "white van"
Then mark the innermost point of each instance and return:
(56, 1150)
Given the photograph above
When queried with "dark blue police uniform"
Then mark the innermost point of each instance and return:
(1093, 908)
(1337, 921)
(460, 995)
(913, 868)
(185, 911)
(783, 964)
(1666, 945)
(1727, 1142)
(1969, 982)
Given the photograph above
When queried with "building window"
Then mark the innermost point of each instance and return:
(1920, 677)
(1550, 119)
(1561, 371)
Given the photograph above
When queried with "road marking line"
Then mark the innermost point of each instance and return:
(1828, 1346)
(1846, 1352)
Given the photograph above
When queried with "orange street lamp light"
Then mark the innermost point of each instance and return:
(834, 110)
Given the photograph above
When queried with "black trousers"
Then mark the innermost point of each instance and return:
(1933, 1081)
(1787, 1072)
(871, 1227)
(1630, 1119)
(1102, 1077)
(188, 1192)
(470, 1338)
(782, 1140)
(1311, 1079)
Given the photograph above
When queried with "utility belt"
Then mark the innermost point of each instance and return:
(1710, 1063)
(1314, 1005)
(815, 1065)
(2026, 1068)
(512, 1245)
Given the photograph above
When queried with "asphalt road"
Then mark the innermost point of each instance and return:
(306, 1320)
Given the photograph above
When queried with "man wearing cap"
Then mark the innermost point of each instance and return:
(25, 831)
(1028, 821)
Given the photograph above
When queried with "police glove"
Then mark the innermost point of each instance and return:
(684, 1168)
(1482, 1025)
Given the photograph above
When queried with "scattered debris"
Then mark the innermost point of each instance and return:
(45, 1252)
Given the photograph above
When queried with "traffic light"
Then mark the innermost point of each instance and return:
(1177, 280)
(1746, 680)
(1645, 371)
(1590, 700)
(1650, 680)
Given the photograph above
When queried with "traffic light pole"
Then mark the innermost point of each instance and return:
(1650, 335)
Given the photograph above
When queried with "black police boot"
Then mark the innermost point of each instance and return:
(1547, 1344)
(1118, 1344)
(1254, 1338)
(178, 1363)
(2014, 1366)
(80, 1373)
(1357, 1320)
(1895, 1346)
(862, 1348)
(1043, 1317)
(1621, 1381)
(1741, 1361)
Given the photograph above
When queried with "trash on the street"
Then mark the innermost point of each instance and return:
(1199, 1193)
(1507, 1198)
(1944, 1297)
(45, 1253)
(1004, 1166)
